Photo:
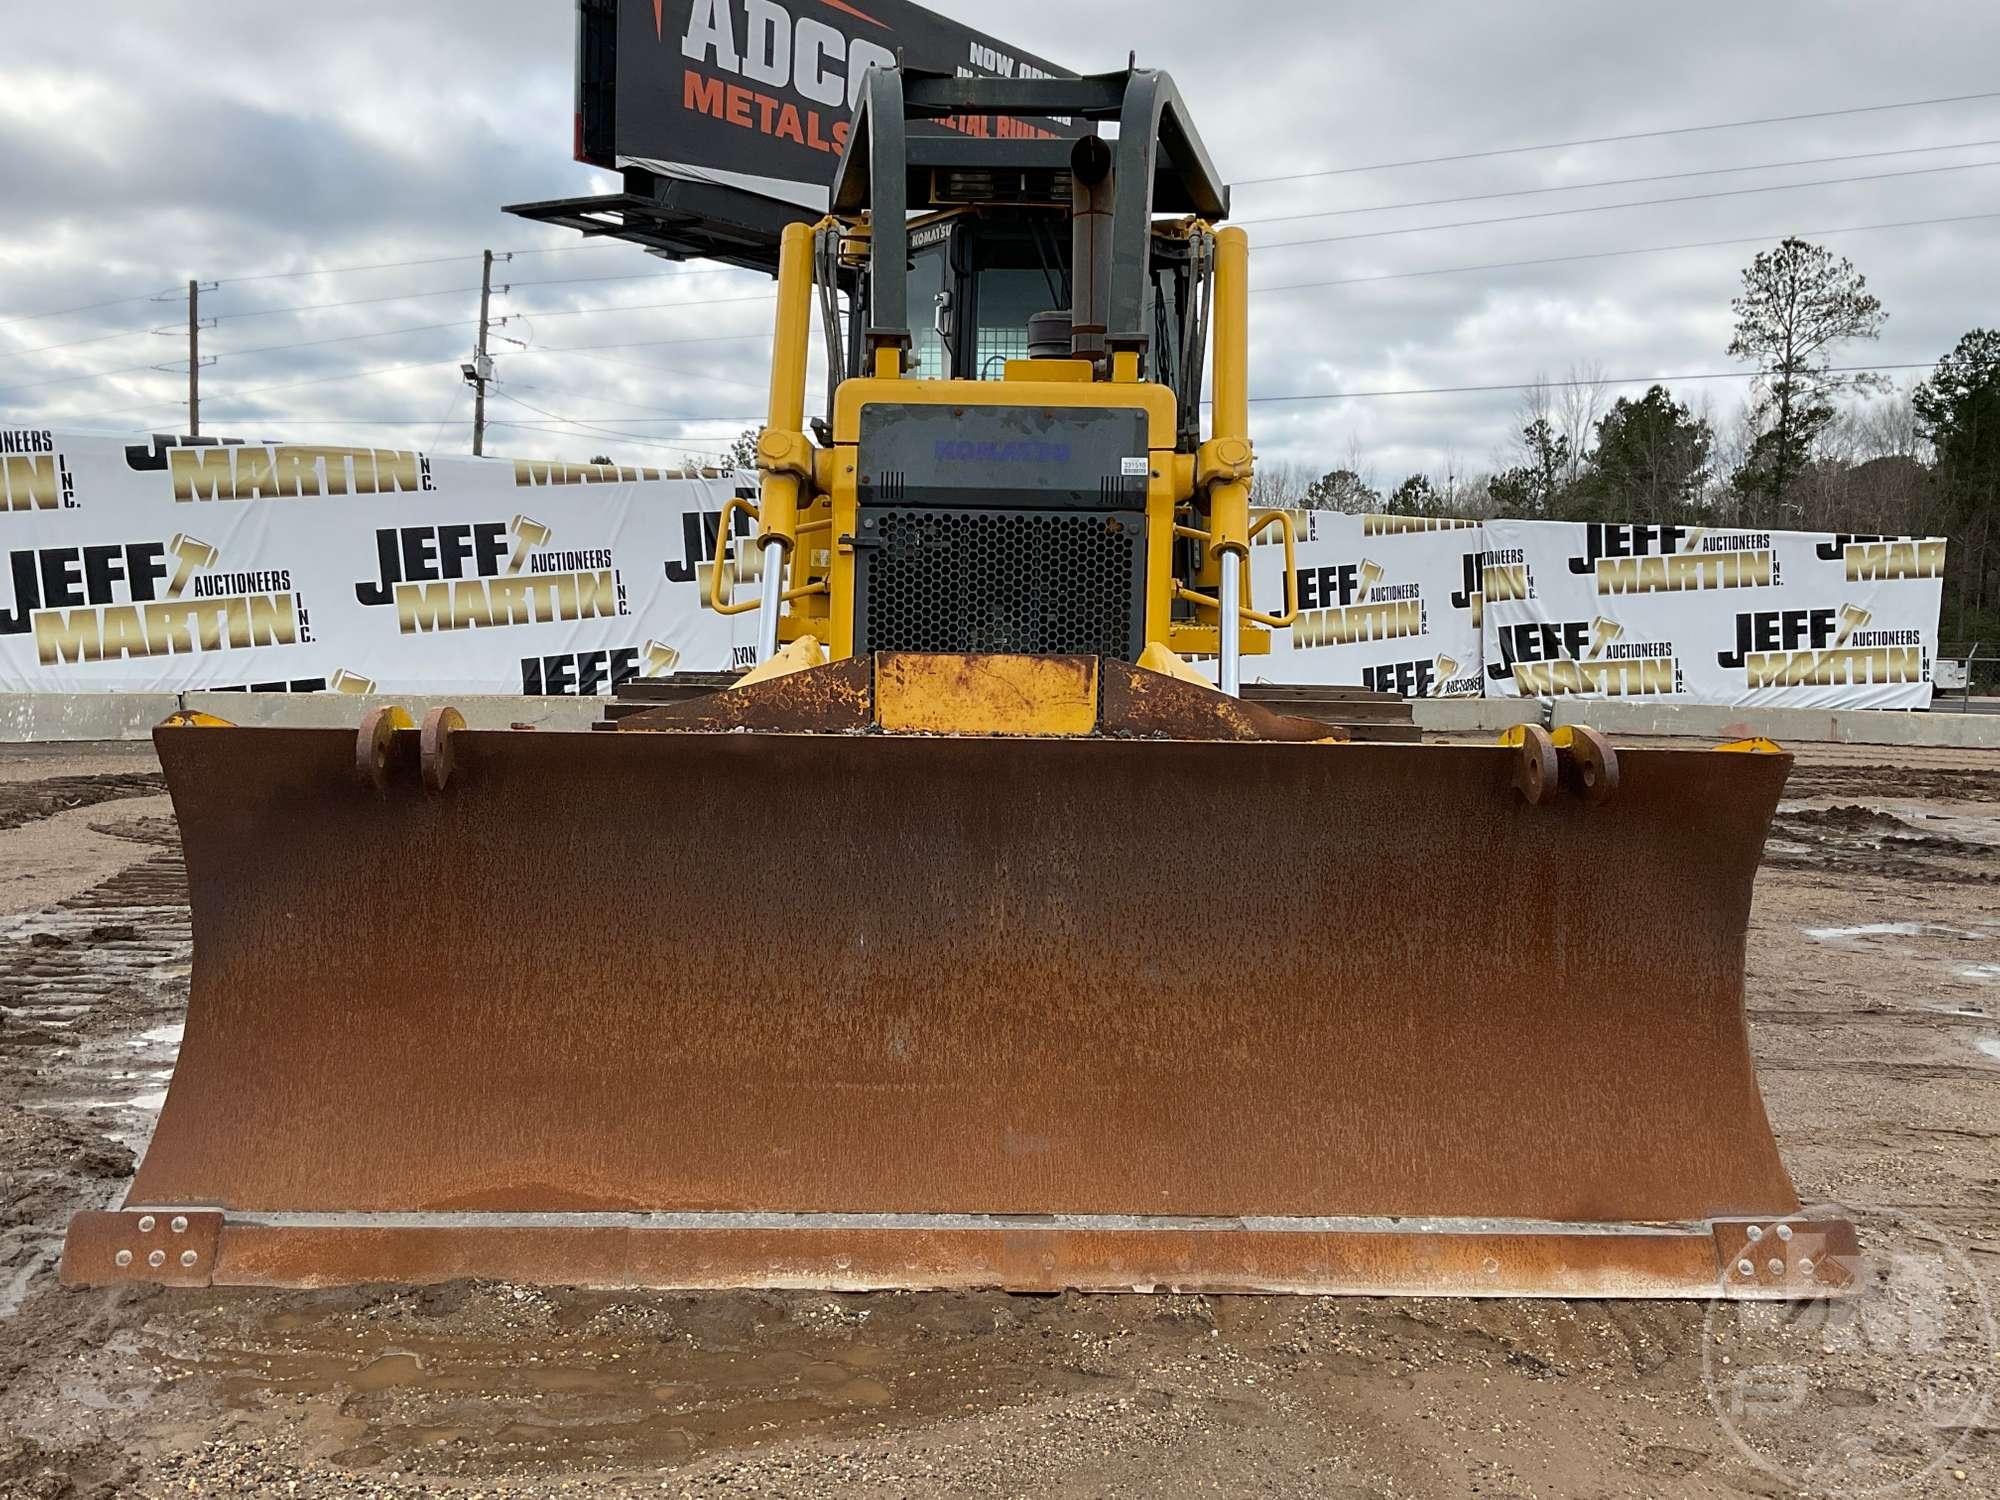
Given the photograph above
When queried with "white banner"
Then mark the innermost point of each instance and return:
(1745, 618)
(1386, 602)
(164, 566)
(159, 566)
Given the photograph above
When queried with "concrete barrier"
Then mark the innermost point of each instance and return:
(343, 710)
(68, 718)
(1475, 715)
(1847, 726)
(78, 717)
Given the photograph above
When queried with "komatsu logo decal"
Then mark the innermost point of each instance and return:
(1675, 559)
(1353, 602)
(147, 598)
(1499, 575)
(1563, 658)
(33, 474)
(1823, 647)
(1875, 559)
(483, 574)
(965, 451)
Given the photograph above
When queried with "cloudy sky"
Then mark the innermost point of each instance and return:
(266, 146)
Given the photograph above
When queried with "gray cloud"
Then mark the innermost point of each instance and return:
(226, 139)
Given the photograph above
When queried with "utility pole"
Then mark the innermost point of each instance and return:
(194, 358)
(482, 366)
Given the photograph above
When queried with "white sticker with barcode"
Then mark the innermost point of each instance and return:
(1136, 468)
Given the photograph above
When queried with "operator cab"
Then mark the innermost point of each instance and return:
(984, 290)
(1024, 244)
(1011, 459)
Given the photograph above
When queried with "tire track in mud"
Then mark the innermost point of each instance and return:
(527, 1392)
(1931, 784)
(24, 802)
(92, 990)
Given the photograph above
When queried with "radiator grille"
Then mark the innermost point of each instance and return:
(1031, 582)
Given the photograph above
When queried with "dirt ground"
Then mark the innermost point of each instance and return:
(1874, 967)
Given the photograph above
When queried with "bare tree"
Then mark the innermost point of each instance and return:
(1578, 404)
(1279, 484)
(1888, 426)
(1357, 463)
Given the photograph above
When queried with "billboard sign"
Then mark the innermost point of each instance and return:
(758, 94)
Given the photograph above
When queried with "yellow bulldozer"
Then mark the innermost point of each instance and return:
(974, 939)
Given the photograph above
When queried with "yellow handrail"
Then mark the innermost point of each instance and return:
(725, 538)
(1279, 518)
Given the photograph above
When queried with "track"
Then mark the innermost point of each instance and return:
(1875, 984)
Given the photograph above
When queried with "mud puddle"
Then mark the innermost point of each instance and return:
(91, 996)
(1873, 1017)
(1891, 929)
(92, 990)
(486, 1379)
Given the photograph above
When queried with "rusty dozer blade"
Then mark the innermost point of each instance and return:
(850, 1010)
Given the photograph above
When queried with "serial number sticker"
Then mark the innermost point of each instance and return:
(1135, 468)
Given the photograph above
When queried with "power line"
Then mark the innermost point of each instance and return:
(590, 244)
(549, 428)
(457, 394)
(397, 265)
(345, 338)
(290, 385)
(1605, 140)
(289, 420)
(762, 335)
(380, 265)
(602, 244)
(1440, 390)
(680, 275)
(1282, 287)
(630, 406)
(99, 338)
(636, 364)
(661, 417)
(1609, 182)
(578, 312)
(544, 429)
(602, 431)
(731, 338)
(64, 312)
(1600, 208)
(274, 312)
(696, 445)
(279, 312)
(1528, 385)
(94, 375)
(1554, 260)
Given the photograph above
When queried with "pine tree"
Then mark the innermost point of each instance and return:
(1799, 302)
